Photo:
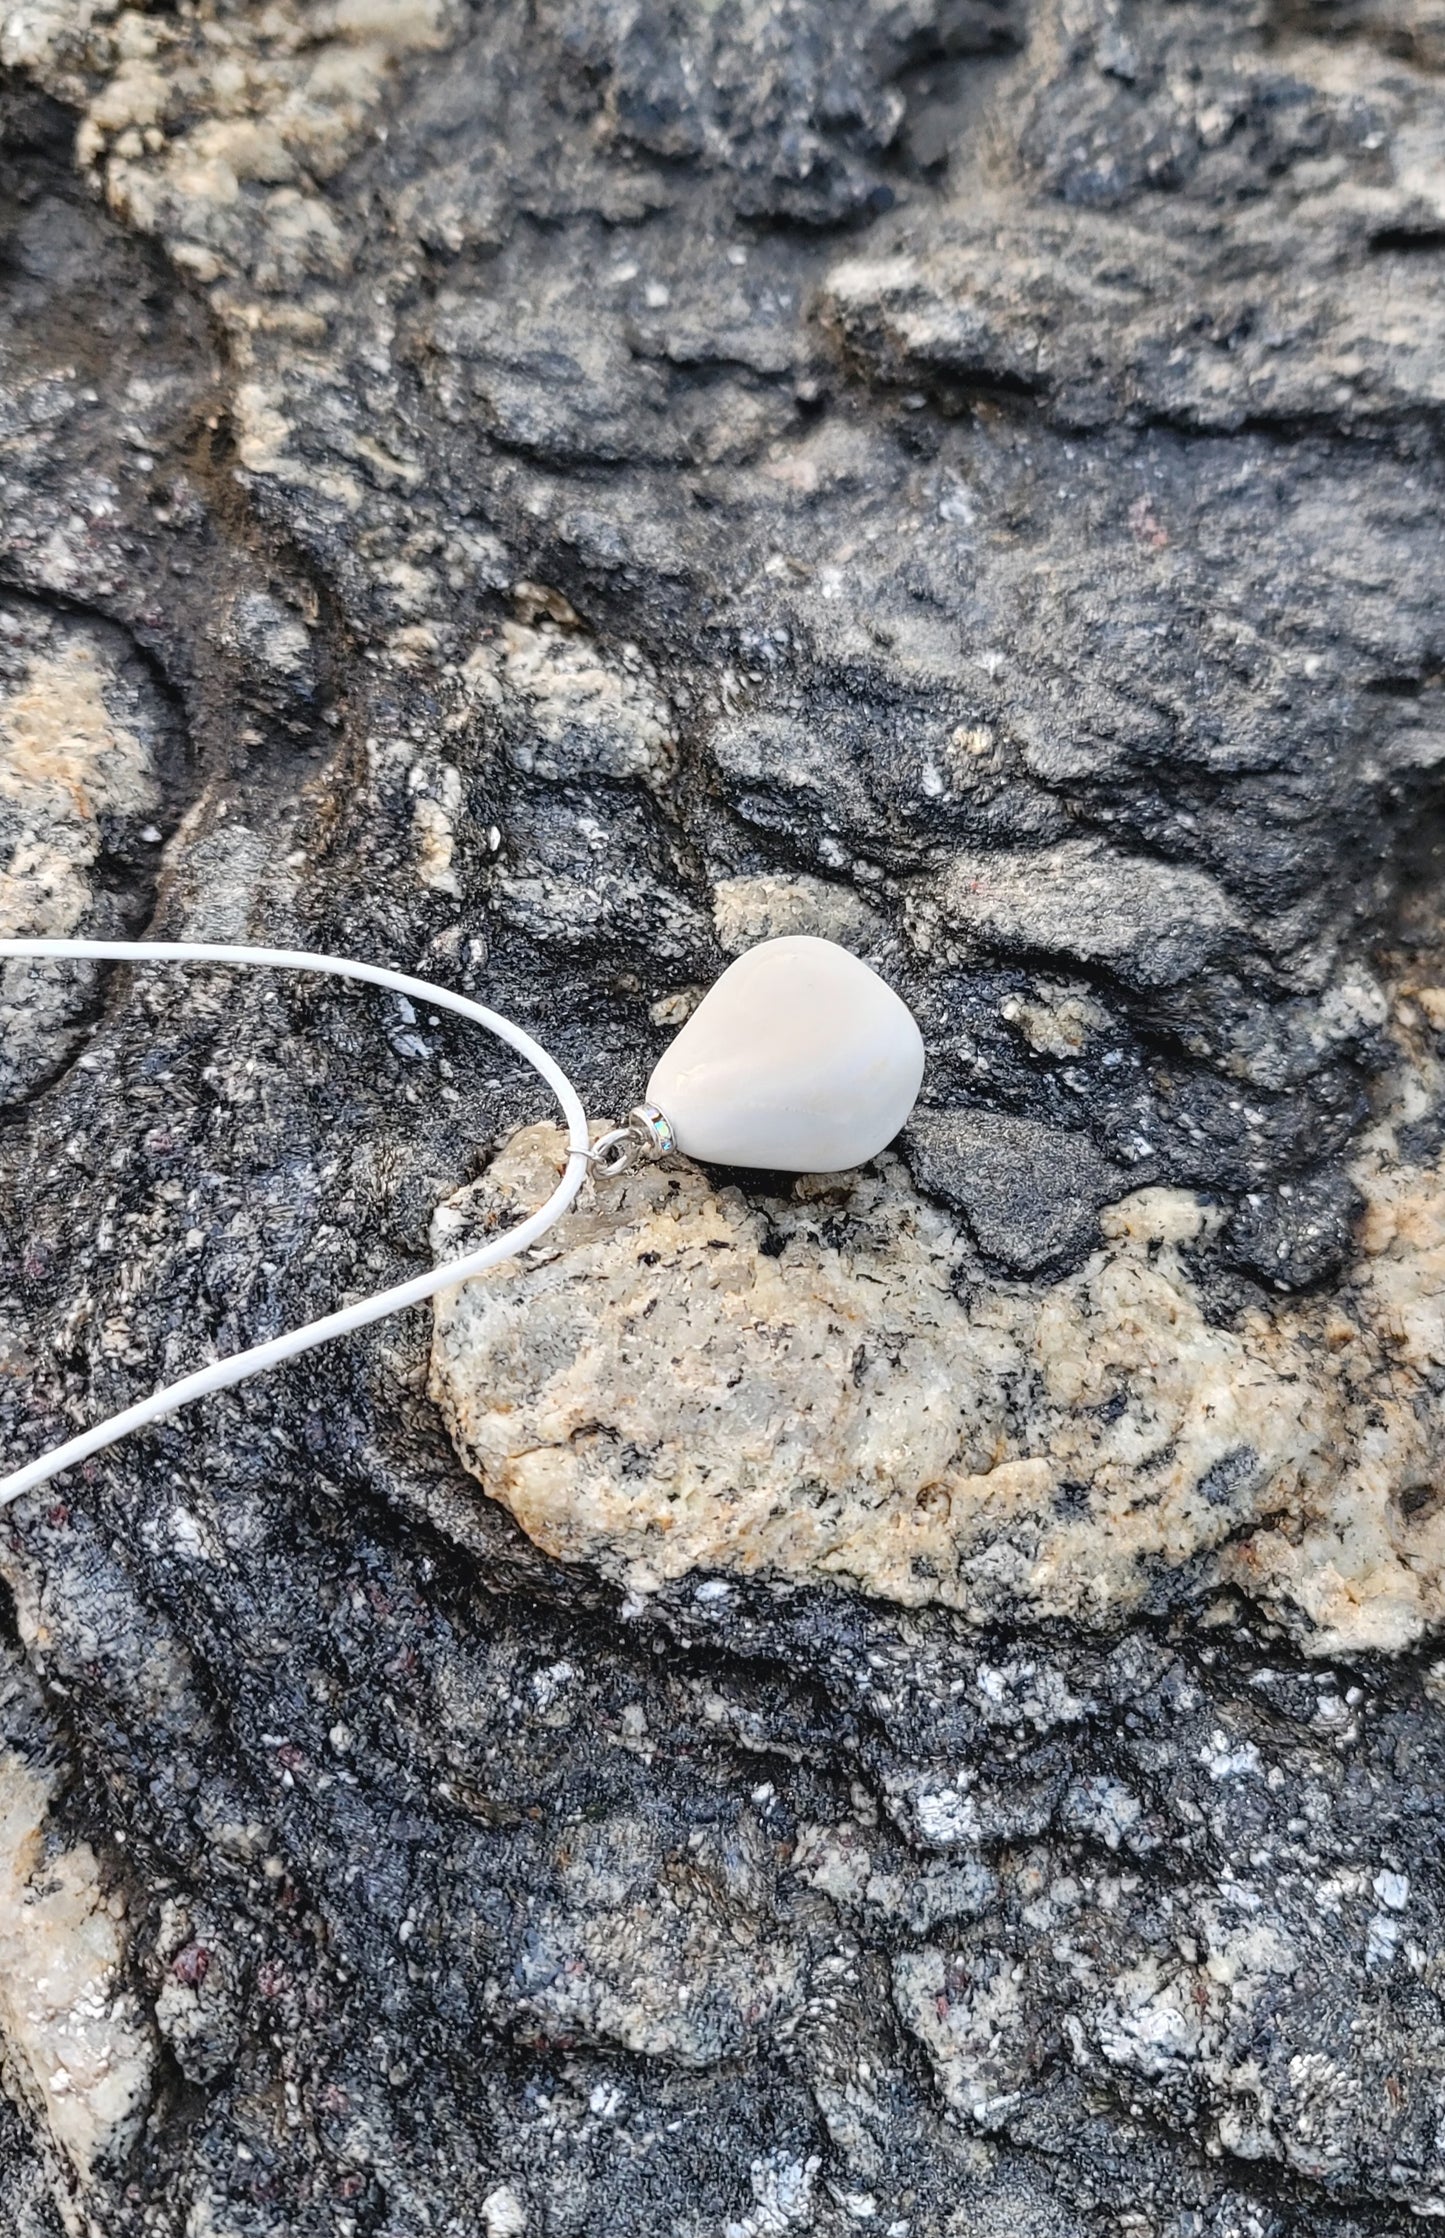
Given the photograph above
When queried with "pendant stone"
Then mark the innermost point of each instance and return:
(800, 1059)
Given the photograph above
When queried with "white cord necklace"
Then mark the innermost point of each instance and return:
(799, 1059)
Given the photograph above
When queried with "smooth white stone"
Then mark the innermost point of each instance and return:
(799, 1059)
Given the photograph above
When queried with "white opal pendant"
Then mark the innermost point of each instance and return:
(800, 1059)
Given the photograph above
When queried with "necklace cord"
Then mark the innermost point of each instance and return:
(223, 1375)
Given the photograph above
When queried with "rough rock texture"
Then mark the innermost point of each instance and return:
(833, 1387)
(76, 2046)
(547, 495)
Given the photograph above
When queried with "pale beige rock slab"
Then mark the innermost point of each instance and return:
(72, 769)
(684, 1382)
(65, 763)
(766, 907)
(585, 712)
(75, 2048)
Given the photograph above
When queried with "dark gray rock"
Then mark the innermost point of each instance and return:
(1296, 1235)
(1030, 1193)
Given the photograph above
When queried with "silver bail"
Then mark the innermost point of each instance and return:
(645, 1133)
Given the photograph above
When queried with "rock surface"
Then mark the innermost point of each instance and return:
(548, 496)
(832, 1386)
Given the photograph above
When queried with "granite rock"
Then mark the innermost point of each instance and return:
(832, 1385)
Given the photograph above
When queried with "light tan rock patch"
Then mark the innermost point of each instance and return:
(200, 123)
(829, 1387)
(217, 131)
(765, 907)
(73, 770)
(65, 762)
(75, 2048)
(576, 710)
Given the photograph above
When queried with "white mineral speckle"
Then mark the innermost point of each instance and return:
(504, 2214)
(1393, 1890)
(782, 2189)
